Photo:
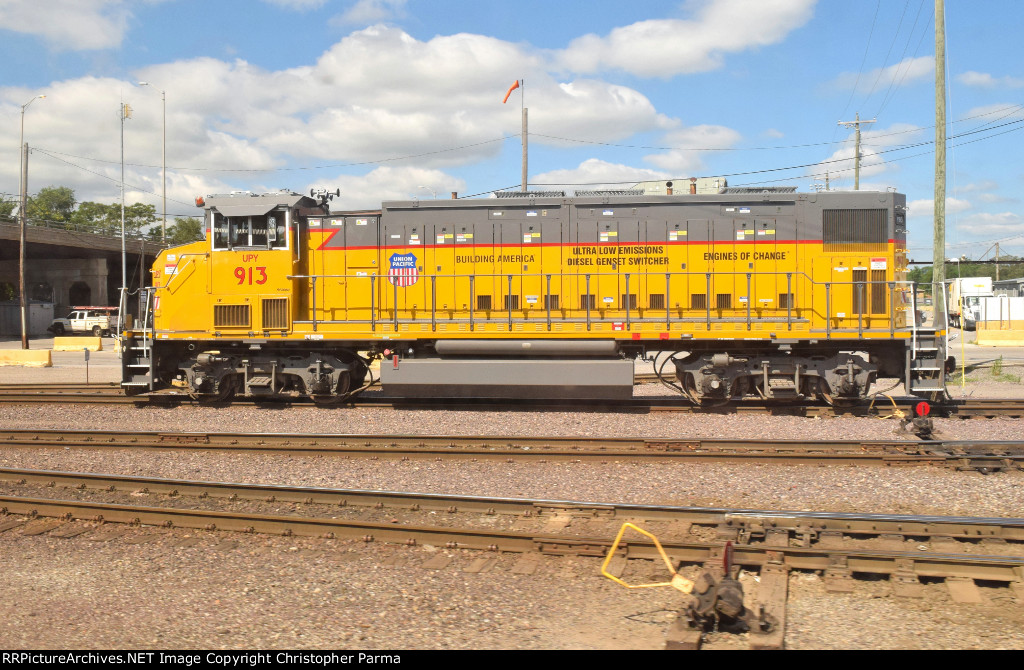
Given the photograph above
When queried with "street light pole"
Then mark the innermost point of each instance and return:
(163, 162)
(23, 196)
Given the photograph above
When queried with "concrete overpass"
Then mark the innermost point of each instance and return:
(72, 267)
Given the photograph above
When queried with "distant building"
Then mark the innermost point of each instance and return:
(1009, 287)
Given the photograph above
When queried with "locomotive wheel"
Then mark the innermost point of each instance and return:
(340, 393)
(691, 393)
(825, 393)
(690, 388)
(227, 389)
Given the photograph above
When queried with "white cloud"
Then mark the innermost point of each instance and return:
(300, 5)
(995, 113)
(992, 225)
(841, 165)
(599, 174)
(909, 71)
(376, 95)
(985, 80)
(975, 187)
(925, 208)
(668, 47)
(686, 159)
(370, 11)
(380, 94)
(390, 183)
(69, 25)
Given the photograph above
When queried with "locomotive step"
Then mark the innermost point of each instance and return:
(259, 381)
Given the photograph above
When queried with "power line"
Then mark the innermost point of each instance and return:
(863, 60)
(100, 174)
(838, 160)
(887, 54)
(924, 31)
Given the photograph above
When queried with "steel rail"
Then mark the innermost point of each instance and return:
(741, 520)
(1008, 569)
(109, 393)
(976, 455)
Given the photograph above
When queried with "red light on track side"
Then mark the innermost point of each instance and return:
(922, 408)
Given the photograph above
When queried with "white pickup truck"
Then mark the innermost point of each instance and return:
(86, 320)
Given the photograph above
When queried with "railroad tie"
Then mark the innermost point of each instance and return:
(772, 594)
(481, 564)
(70, 530)
(963, 590)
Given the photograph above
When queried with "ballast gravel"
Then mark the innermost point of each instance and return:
(180, 589)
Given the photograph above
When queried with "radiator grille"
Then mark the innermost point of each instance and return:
(511, 302)
(656, 300)
(723, 301)
(275, 313)
(698, 301)
(860, 291)
(855, 229)
(878, 291)
(231, 316)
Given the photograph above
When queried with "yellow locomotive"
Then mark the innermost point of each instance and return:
(766, 293)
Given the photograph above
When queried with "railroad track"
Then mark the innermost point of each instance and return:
(111, 394)
(903, 548)
(981, 456)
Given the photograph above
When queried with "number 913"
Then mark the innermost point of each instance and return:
(241, 274)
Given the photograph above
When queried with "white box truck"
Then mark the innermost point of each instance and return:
(965, 296)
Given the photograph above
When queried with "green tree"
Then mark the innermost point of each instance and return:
(7, 208)
(185, 229)
(106, 219)
(51, 204)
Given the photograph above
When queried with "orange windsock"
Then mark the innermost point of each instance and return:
(510, 89)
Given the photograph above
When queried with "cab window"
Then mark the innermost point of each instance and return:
(220, 231)
(268, 231)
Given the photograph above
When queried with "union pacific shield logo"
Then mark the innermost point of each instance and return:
(403, 270)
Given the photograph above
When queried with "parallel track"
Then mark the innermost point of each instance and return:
(798, 540)
(984, 456)
(903, 548)
(111, 394)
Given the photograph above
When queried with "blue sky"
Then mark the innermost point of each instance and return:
(396, 99)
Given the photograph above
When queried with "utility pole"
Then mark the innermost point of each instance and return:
(939, 239)
(126, 113)
(525, 110)
(856, 158)
(22, 293)
(23, 203)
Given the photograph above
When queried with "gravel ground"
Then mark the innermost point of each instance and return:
(232, 591)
